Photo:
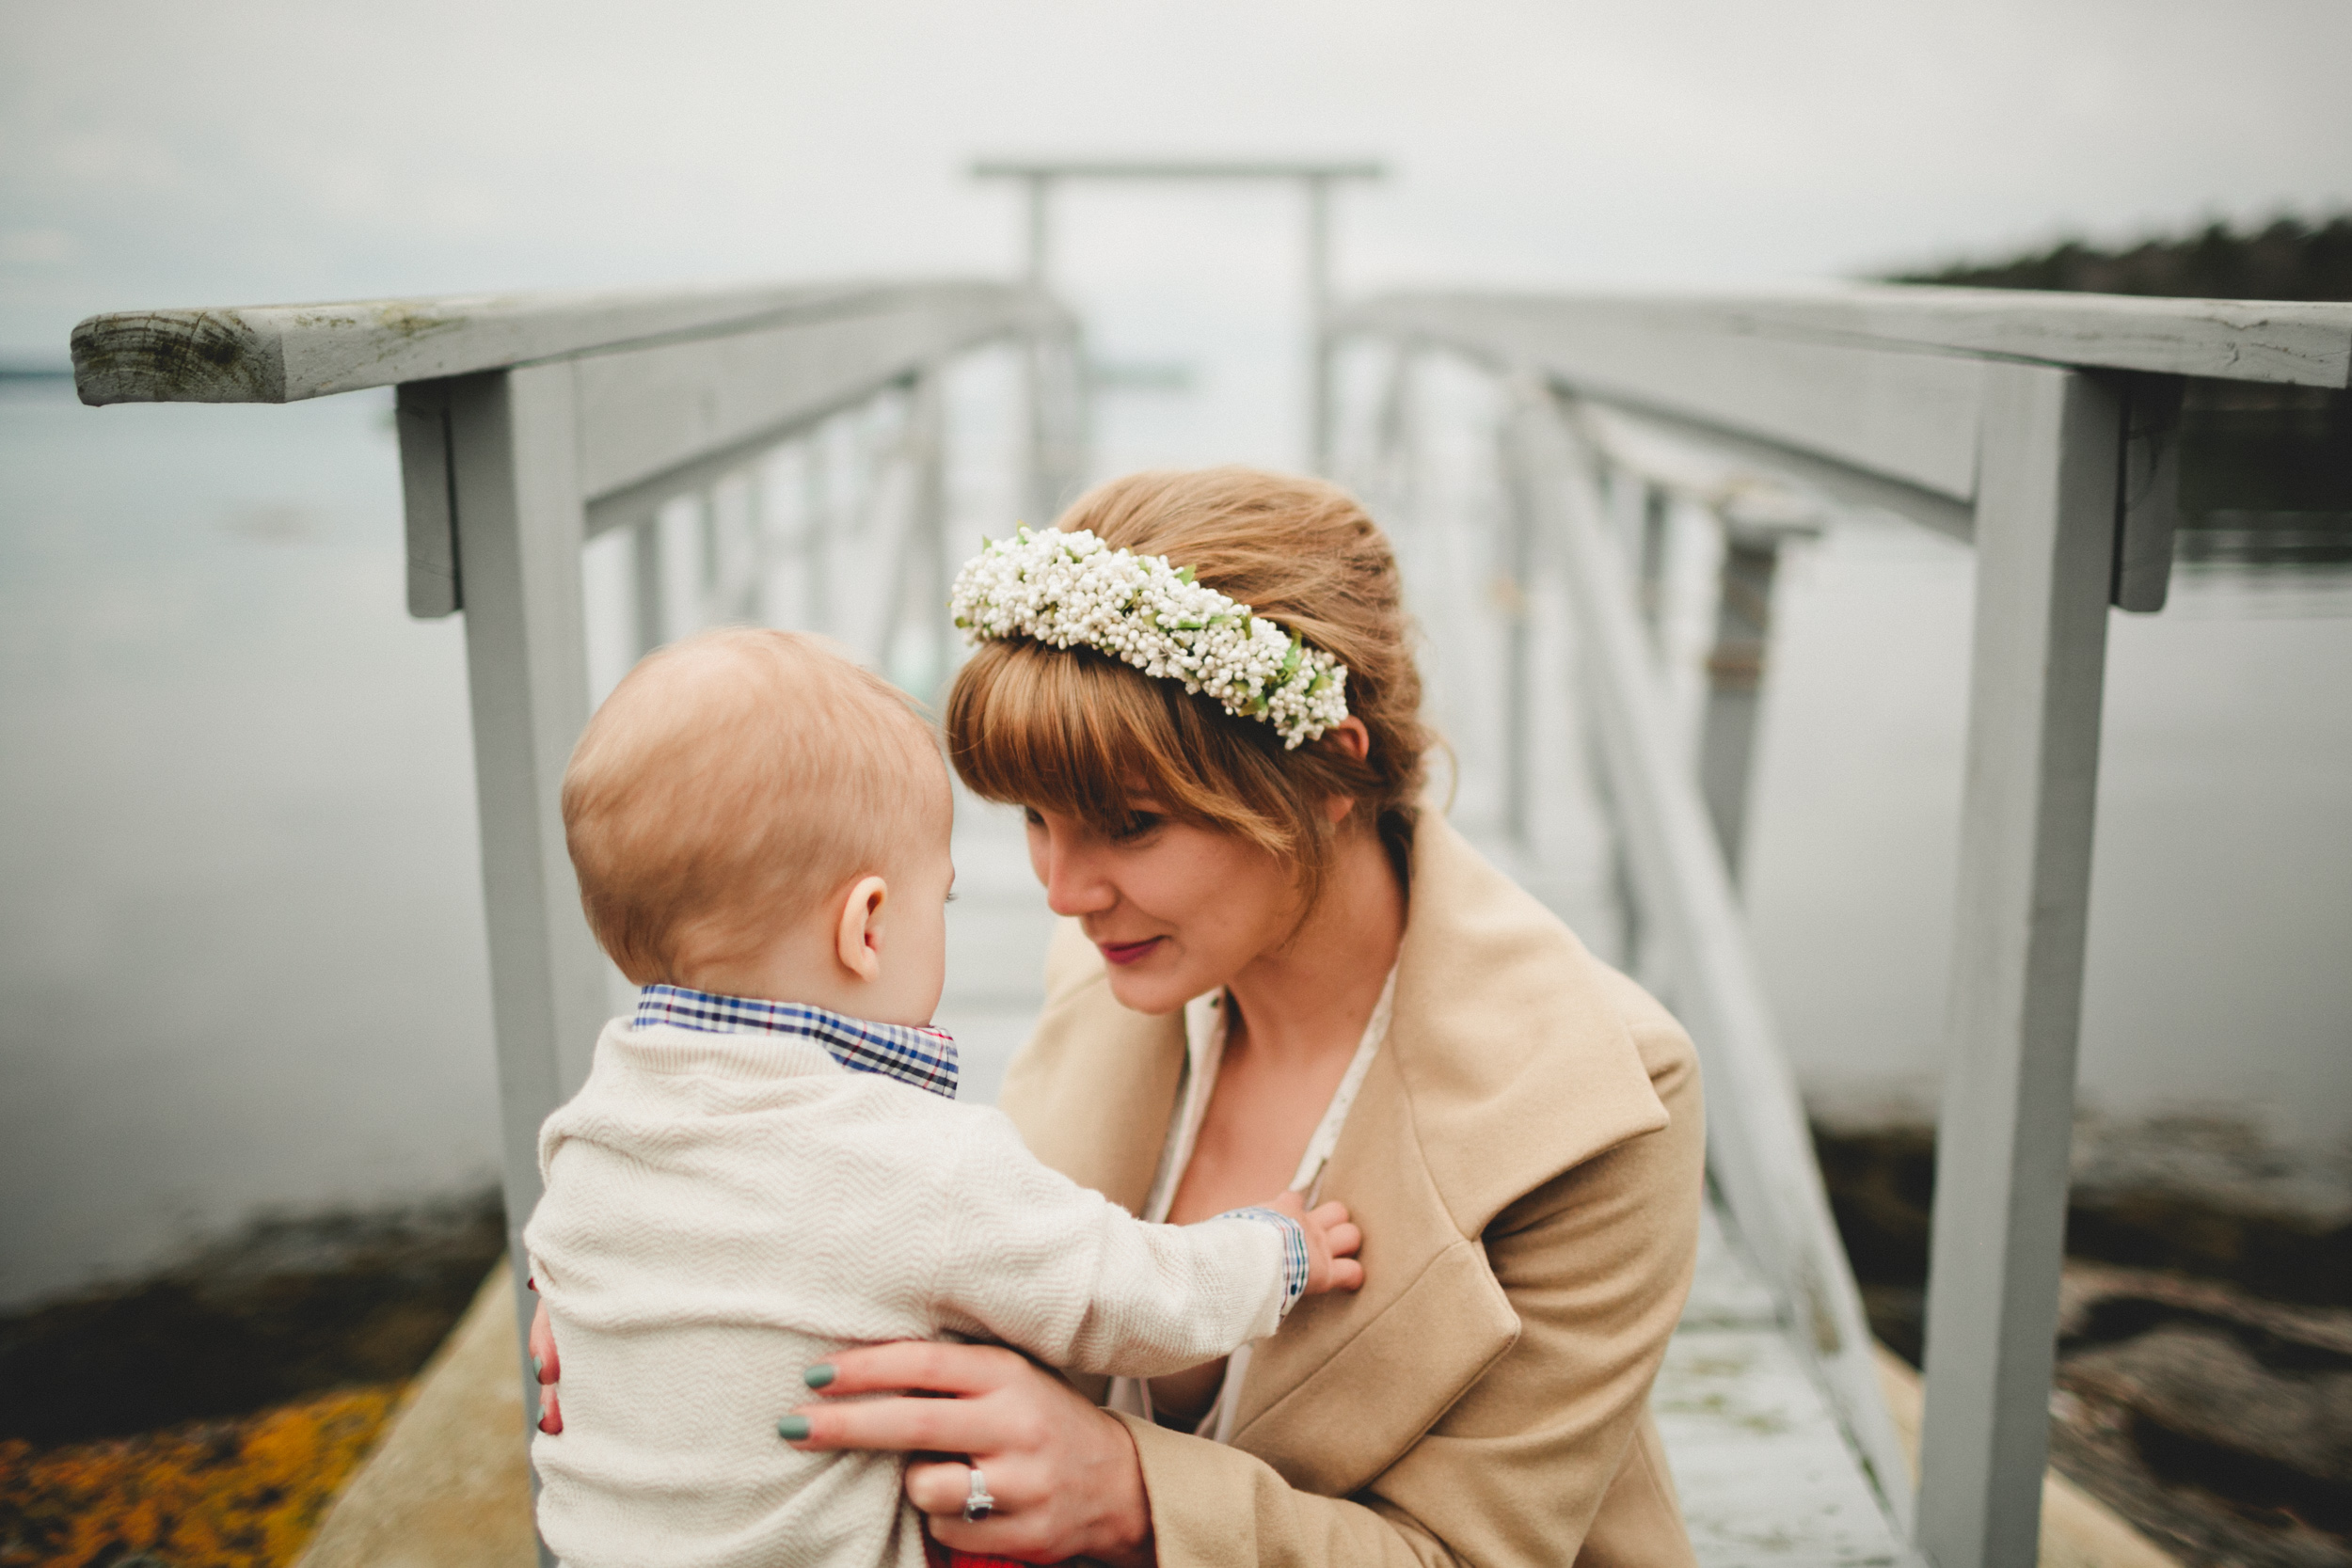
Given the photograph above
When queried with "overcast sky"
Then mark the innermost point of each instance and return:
(165, 153)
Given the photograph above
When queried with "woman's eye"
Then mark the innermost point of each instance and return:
(1032, 816)
(1138, 826)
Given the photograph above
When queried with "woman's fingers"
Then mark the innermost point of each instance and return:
(940, 1489)
(917, 1364)
(547, 1370)
(1344, 1240)
(1346, 1275)
(543, 1357)
(903, 1425)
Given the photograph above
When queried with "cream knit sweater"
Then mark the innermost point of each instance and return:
(724, 1210)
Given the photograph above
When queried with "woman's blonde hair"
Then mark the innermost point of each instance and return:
(1075, 731)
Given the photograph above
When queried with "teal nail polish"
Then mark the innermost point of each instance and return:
(539, 1367)
(816, 1377)
(793, 1429)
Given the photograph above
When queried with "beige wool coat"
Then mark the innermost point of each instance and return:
(1526, 1158)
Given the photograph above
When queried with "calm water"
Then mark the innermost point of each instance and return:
(240, 947)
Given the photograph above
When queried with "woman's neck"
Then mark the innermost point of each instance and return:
(1313, 995)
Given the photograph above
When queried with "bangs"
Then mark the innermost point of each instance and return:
(1074, 731)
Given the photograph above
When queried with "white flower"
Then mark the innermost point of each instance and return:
(1068, 588)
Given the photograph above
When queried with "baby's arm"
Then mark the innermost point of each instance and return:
(1043, 1264)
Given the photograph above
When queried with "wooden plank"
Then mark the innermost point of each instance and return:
(2044, 558)
(658, 422)
(515, 464)
(1758, 1146)
(286, 353)
(1762, 1467)
(2303, 343)
(1907, 418)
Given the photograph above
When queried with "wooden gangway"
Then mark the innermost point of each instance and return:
(801, 437)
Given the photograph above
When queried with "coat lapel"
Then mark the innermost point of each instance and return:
(1504, 1065)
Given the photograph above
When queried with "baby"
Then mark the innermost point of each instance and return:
(766, 1163)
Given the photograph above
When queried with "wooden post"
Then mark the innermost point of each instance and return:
(1396, 461)
(927, 568)
(815, 528)
(1651, 561)
(2045, 542)
(1038, 231)
(1318, 190)
(1518, 703)
(644, 558)
(515, 474)
(1734, 681)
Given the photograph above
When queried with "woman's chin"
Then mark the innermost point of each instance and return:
(1154, 994)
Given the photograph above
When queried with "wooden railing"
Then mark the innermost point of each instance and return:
(2043, 429)
(530, 425)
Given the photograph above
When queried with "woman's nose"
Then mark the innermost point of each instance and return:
(1073, 883)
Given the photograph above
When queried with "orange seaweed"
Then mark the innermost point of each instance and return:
(245, 1493)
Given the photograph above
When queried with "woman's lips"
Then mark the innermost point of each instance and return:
(1128, 952)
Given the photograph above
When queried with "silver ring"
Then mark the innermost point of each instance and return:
(978, 1504)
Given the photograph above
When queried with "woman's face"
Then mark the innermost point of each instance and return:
(1175, 910)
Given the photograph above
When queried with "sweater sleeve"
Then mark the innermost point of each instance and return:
(1038, 1261)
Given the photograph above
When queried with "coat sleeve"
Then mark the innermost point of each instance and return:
(1041, 1263)
(1596, 1263)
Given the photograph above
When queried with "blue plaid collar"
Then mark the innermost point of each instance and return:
(923, 1057)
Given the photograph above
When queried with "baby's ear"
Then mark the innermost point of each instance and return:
(855, 942)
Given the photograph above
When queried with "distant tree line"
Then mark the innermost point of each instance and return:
(2287, 259)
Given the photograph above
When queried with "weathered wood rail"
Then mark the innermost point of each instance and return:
(2040, 428)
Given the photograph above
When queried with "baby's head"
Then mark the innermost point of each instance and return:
(752, 815)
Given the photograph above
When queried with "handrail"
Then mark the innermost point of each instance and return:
(530, 422)
(2044, 430)
(2300, 342)
(288, 352)
(1757, 1139)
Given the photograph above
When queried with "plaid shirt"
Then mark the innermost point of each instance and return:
(923, 1057)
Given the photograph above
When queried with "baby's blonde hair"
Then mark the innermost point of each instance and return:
(731, 782)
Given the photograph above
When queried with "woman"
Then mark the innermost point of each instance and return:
(1275, 971)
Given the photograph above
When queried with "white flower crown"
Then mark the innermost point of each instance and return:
(1065, 588)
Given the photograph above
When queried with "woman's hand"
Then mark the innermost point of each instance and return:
(1064, 1474)
(547, 1370)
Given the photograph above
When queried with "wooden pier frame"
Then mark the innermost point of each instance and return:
(2040, 427)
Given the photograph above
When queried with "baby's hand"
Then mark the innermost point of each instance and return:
(1332, 1241)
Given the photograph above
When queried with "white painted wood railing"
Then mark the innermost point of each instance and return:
(530, 425)
(2040, 427)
